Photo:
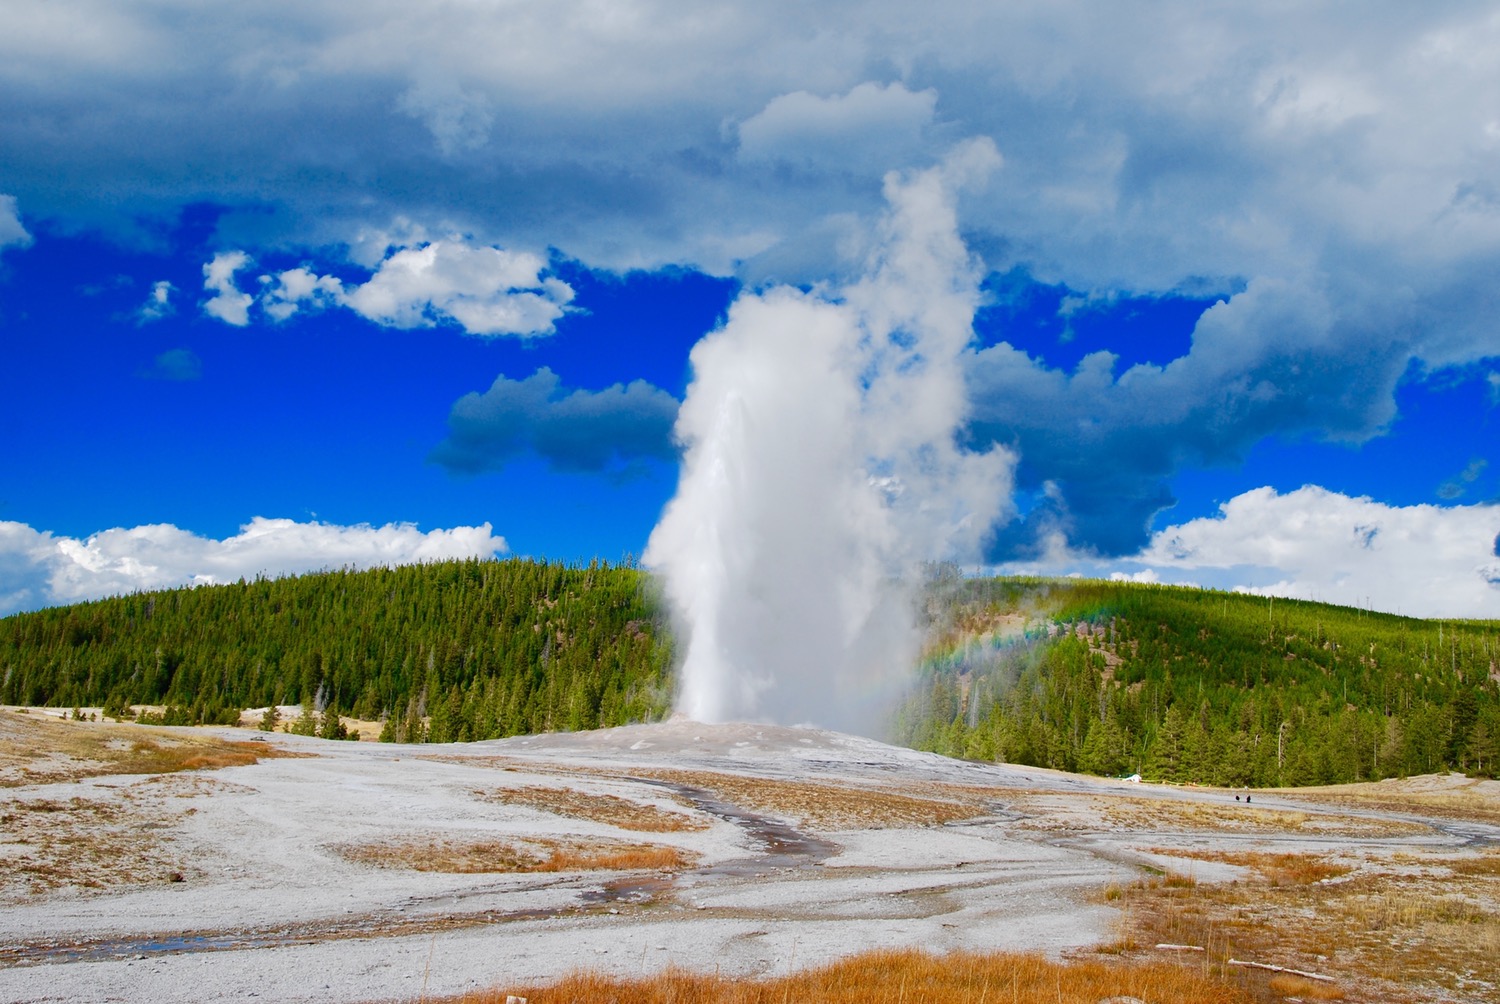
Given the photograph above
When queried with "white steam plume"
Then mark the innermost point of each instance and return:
(821, 469)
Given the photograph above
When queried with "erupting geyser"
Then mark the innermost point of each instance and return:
(821, 468)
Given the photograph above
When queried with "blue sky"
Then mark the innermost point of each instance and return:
(339, 283)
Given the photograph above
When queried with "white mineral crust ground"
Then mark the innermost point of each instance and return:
(270, 909)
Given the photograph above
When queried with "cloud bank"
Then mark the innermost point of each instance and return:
(38, 568)
(1423, 560)
(1313, 544)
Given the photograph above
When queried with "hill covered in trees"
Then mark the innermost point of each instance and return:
(1192, 685)
(448, 651)
(1100, 677)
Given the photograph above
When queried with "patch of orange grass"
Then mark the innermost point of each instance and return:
(824, 805)
(637, 857)
(1288, 985)
(608, 809)
(906, 975)
(532, 854)
(40, 749)
(1278, 869)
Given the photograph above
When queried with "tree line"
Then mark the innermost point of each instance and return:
(446, 651)
(1107, 678)
(1193, 685)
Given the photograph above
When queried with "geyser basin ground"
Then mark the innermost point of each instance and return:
(298, 878)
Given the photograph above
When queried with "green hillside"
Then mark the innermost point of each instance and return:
(1100, 677)
(478, 649)
(1194, 685)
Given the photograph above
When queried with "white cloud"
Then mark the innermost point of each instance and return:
(38, 568)
(484, 290)
(1421, 560)
(287, 292)
(228, 304)
(12, 233)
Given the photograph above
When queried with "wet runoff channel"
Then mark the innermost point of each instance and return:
(779, 848)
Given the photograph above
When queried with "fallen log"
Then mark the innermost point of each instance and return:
(1281, 969)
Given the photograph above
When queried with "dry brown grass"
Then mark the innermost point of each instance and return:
(1302, 988)
(83, 843)
(900, 977)
(1277, 869)
(1409, 934)
(1448, 796)
(826, 806)
(1086, 812)
(38, 749)
(91, 838)
(1487, 865)
(607, 809)
(529, 854)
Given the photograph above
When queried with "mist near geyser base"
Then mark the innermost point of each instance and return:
(821, 470)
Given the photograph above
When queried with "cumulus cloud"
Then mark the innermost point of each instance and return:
(38, 568)
(291, 290)
(1421, 560)
(12, 233)
(227, 303)
(177, 365)
(573, 430)
(485, 291)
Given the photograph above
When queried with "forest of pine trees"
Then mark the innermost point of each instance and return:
(1200, 686)
(1107, 678)
(443, 652)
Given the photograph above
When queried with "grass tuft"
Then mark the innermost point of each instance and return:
(607, 809)
(532, 854)
(1302, 988)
